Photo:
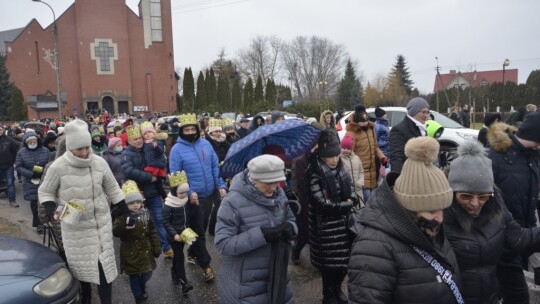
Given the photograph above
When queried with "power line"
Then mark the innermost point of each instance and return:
(195, 3)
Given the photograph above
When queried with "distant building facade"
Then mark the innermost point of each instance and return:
(473, 79)
(110, 59)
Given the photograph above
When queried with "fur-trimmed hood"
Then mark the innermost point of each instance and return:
(322, 119)
(499, 136)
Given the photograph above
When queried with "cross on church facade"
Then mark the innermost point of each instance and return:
(104, 52)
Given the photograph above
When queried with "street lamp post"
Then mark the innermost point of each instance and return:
(56, 62)
(505, 64)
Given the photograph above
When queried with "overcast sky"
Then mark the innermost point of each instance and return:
(464, 34)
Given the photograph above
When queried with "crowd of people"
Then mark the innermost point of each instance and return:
(421, 234)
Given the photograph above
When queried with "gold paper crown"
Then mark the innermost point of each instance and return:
(188, 119)
(133, 132)
(146, 124)
(188, 236)
(110, 130)
(215, 122)
(117, 124)
(177, 178)
(129, 187)
(228, 122)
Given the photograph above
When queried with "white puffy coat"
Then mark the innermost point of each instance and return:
(91, 183)
(354, 165)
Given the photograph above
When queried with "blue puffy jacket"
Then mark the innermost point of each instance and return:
(382, 131)
(133, 166)
(245, 266)
(25, 161)
(200, 163)
(155, 157)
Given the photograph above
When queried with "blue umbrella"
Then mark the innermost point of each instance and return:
(294, 136)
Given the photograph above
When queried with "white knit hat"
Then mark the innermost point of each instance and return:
(77, 135)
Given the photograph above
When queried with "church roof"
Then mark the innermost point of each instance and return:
(8, 36)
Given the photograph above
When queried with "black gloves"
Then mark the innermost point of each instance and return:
(120, 209)
(50, 209)
(284, 231)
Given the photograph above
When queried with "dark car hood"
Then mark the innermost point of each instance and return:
(23, 257)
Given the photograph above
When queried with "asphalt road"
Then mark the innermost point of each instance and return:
(306, 280)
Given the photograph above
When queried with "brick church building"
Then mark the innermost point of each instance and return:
(109, 57)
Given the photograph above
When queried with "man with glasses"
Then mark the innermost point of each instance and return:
(413, 125)
(516, 170)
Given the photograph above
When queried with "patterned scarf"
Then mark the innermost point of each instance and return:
(330, 183)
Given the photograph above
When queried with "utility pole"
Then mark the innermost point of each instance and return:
(437, 93)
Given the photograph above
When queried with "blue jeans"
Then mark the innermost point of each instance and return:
(153, 204)
(367, 193)
(10, 182)
(138, 282)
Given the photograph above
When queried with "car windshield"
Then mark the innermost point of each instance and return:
(445, 121)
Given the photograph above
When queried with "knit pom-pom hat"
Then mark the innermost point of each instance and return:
(421, 186)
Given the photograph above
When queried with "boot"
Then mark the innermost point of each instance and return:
(340, 296)
(174, 277)
(139, 300)
(295, 256)
(186, 287)
(329, 296)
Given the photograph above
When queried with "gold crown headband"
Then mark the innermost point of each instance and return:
(188, 119)
(177, 178)
(215, 122)
(129, 187)
(146, 124)
(133, 132)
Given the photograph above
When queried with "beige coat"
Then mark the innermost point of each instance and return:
(91, 183)
(354, 165)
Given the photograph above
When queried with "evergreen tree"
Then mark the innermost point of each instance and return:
(533, 86)
(258, 95)
(401, 72)
(237, 96)
(270, 93)
(188, 88)
(372, 97)
(248, 96)
(350, 91)
(211, 91)
(179, 101)
(224, 93)
(200, 98)
(18, 110)
(5, 89)
(283, 93)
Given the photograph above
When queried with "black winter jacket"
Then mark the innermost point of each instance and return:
(327, 219)
(133, 166)
(174, 220)
(399, 135)
(516, 173)
(479, 242)
(220, 147)
(384, 268)
(8, 151)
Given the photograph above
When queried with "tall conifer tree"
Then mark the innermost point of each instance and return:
(211, 91)
(224, 93)
(248, 96)
(258, 95)
(200, 98)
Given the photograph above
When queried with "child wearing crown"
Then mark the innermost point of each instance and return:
(154, 156)
(176, 225)
(139, 243)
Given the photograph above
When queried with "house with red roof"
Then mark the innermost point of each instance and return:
(473, 79)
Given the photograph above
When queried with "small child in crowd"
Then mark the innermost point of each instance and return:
(176, 223)
(354, 165)
(154, 156)
(139, 243)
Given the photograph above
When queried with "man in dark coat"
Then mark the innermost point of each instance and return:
(243, 131)
(516, 169)
(401, 254)
(133, 166)
(8, 152)
(413, 125)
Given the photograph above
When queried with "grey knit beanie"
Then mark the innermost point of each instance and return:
(416, 105)
(471, 170)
